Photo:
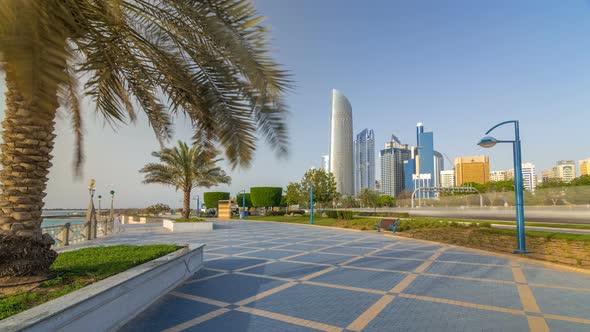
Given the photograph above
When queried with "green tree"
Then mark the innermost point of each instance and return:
(266, 196)
(207, 60)
(240, 201)
(212, 198)
(157, 208)
(348, 201)
(185, 169)
(294, 194)
(369, 198)
(324, 187)
(386, 201)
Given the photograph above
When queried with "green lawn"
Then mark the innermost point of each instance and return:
(547, 235)
(194, 219)
(75, 269)
(361, 223)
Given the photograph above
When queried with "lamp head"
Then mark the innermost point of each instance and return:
(99, 196)
(112, 192)
(487, 142)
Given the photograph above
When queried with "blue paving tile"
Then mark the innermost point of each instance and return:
(230, 287)
(208, 257)
(321, 258)
(348, 250)
(387, 263)
(563, 302)
(261, 245)
(271, 254)
(303, 247)
(471, 270)
(560, 325)
(486, 293)
(202, 273)
(285, 270)
(557, 278)
(233, 263)
(473, 258)
(167, 312)
(404, 314)
(236, 321)
(361, 278)
(320, 304)
(404, 254)
(230, 250)
(419, 246)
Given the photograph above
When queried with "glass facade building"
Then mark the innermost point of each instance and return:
(341, 151)
(364, 161)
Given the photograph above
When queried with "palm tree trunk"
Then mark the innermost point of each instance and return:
(28, 140)
(186, 213)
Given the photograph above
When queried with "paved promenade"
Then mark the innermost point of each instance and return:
(284, 277)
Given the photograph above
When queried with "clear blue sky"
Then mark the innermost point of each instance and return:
(458, 66)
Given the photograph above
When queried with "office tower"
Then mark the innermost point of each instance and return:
(341, 155)
(447, 179)
(364, 161)
(498, 176)
(584, 167)
(423, 174)
(529, 177)
(326, 163)
(439, 165)
(472, 169)
(392, 160)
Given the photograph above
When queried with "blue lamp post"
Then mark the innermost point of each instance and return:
(488, 142)
(311, 205)
(243, 214)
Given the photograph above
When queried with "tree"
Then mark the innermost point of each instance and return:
(212, 198)
(386, 200)
(369, 197)
(324, 186)
(157, 208)
(208, 60)
(240, 201)
(348, 201)
(294, 194)
(185, 168)
(266, 196)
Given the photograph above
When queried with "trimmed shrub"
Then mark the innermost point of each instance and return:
(212, 197)
(266, 196)
(248, 200)
(384, 214)
(339, 214)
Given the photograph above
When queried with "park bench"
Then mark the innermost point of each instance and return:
(387, 223)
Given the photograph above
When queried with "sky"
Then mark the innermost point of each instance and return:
(458, 66)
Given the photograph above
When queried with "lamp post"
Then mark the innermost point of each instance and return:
(311, 205)
(90, 213)
(243, 213)
(112, 211)
(488, 142)
(99, 199)
(198, 207)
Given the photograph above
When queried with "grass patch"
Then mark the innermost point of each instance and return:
(548, 225)
(187, 220)
(547, 235)
(76, 269)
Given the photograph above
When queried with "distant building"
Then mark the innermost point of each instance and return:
(472, 169)
(392, 160)
(498, 176)
(529, 177)
(447, 178)
(420, 171)
(584, 167)
(564, 171)
(341, 152)
(326, 163)
(364, 161)
(439, 165)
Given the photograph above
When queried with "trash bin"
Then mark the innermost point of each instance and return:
(243, 214)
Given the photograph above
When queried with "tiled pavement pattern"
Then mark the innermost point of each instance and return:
(283, 277)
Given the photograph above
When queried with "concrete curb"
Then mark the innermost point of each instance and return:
(110, 303)
(199, 226)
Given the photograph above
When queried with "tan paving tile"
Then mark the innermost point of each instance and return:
(290, 319)
(197, 320)
(361, 321)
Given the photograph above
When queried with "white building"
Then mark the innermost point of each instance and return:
(447, 178)
(529, 176)
(326, 163)
(498, 176)
(564, 171)
(341, 154)
(364, 161)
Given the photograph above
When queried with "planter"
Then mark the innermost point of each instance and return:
(196, 226)
(110, 303)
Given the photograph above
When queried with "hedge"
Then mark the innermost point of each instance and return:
(248, 200)
(212, 197)
(384, 214)
(266, 196)
(339, 214)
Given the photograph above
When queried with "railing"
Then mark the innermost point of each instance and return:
(68, 233)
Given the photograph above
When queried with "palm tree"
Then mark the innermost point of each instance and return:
(186, 169)
(207, 60)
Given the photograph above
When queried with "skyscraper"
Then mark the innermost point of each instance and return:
(439, 165)
(419, 171)
(472, 169)
(326, 163)
(341, 156)
(584, 167)
(364, 161)
(392, 166)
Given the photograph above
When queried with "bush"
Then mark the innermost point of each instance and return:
(384, 214)
(339, 214)
(157, 208)
(212, 197)
(266, 196)
(248, 200)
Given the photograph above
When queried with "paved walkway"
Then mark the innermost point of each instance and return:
(284, 277)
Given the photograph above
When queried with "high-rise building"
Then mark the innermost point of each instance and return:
(419, 171)
(472, 169)
(439, 165)
(364, 161)
(529, 177)
(447, 178)
(564, 171)
(326, 163)
(498, 176)
(341, 152)
(392, 160)
(584, 167)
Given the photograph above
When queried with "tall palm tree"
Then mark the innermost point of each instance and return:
(186, 169)
(205, 59)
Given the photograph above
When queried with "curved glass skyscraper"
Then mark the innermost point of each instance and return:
(341, 157)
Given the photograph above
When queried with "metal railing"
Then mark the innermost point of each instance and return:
(68, 233)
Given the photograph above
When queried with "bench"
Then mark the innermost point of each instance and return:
(387, 223)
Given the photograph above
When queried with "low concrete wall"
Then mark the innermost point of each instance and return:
(110, 303)
(199, 226)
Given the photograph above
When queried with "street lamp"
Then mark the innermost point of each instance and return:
(243, 214)
(99, 199)
(488, 142)
(112, 212)
(311, 205)
(198, 208)
(90, 213)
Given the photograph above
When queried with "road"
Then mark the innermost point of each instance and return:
(550, 214)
